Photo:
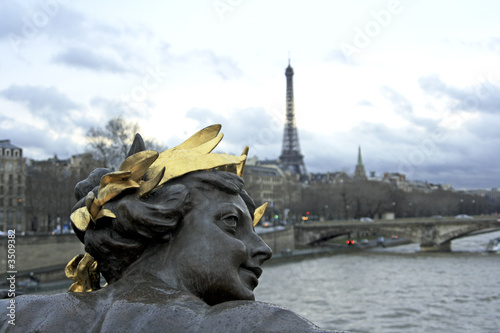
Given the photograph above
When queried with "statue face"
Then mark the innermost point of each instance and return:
(216, 255)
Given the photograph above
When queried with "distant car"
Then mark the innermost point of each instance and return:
(380, 241)
(364, 241)
(366, 219)
(463, 217)
(394, 236)
(436, 217)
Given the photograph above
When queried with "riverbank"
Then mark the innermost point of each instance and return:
(330, 249)
(62, 285)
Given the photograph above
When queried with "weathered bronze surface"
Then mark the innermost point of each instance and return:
(174, 238)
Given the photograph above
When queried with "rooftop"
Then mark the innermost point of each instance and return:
(7, 144)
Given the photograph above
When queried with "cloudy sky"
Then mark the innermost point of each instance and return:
(414, 83)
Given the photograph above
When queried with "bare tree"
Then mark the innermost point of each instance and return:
(49, 194)
(112, 143)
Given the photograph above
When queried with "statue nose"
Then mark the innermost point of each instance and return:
(260, 250)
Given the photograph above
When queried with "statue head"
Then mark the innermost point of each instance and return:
(181, 217)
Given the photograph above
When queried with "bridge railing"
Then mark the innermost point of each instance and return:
(447, 219)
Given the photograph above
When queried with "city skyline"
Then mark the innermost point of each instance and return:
(415, 84)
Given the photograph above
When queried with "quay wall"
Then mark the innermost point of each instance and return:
(40, 253)
(280, 240)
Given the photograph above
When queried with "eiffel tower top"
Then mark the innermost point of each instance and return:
(291, 159)
(289, 69)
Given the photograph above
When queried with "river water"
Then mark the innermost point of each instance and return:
(394, 289)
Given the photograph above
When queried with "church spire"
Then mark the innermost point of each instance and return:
(359, 172)
(360, 160)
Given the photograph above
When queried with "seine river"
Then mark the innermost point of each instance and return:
(394, 289)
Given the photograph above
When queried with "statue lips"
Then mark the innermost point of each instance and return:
(251, 274)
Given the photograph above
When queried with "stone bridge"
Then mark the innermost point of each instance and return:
(431, 234)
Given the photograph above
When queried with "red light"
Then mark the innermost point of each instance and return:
(307, 213)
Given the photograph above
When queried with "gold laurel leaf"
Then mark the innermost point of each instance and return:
(241, 167)
(89, 199)
(111, 190)
(85, 263)
(138, 163)
(76, 288)
(184, 164)
(149, 185)
(114, 177)
(259, 212)
(208, 146)
(86, 275)
(204, 135)
(70, 269)
(81, 218)
(165, 156)
(105, 213)
(95, 207)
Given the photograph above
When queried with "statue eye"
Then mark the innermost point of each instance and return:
(230, 222)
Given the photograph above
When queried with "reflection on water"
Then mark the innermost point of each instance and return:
(394, 289)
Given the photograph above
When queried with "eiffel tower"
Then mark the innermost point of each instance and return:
(291, 159)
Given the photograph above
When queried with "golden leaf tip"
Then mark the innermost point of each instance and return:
(259, 212)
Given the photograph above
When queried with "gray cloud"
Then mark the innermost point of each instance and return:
(401, 104)
(338, 56)
(464, 159)
(37, 143)
(224, 66)
(410, 150)
(482, 97)
(403, 107)
(82, 41)
(84, 58)
(115, 108)
(11, 18)
(365, 103)
(41, 99)
(250, 126)
(48, 104)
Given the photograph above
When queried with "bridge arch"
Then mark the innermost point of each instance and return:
(432, 235)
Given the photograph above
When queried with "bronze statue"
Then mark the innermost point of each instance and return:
(173, 236)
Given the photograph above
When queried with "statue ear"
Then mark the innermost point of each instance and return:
(137, 146)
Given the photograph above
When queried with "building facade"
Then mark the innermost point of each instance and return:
(12, 187)
(269, 183)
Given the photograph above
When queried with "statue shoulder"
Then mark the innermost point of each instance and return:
(48, 313)
(253, 316)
